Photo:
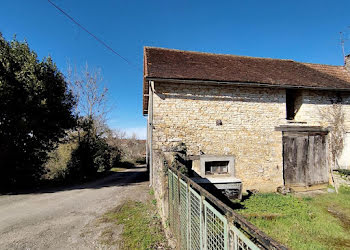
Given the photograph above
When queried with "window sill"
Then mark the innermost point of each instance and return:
(296, 122)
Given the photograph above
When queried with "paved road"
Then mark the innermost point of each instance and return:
(67, 218)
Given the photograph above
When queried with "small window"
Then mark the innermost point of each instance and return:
(216, 167)
(293, 103)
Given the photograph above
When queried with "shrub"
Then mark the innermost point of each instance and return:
(344, 172)
(92, 155)
(35, 111)
(56, 166)
(141, 160)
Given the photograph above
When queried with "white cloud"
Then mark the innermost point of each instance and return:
(140, 132)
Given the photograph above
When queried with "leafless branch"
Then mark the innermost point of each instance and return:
(91, 95)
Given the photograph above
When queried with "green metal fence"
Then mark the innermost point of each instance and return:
(197, 223)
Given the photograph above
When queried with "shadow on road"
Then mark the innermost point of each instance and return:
(131, 176)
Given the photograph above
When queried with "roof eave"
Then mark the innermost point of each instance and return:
(244, 84)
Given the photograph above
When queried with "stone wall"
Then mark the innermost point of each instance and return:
(160, 187)
(188, 113)
(315, 103)
(160, 184)
(344, 159)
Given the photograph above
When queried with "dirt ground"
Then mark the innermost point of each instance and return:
(67, 218)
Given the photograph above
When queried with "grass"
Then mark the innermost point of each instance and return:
(142, 227)
(122, 166)
(115, 169)
(319, 222)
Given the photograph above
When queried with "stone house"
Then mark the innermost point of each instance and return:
(258, 120)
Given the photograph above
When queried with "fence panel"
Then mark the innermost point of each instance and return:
(195, 220)
(215, 228)
(183, 214)
(240, 241)
(176, 206)
(198, 225)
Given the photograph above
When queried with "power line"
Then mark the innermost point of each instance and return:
(91, 34)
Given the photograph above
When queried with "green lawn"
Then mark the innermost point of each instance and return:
(318, 222)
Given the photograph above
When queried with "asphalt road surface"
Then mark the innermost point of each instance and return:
(67, 218)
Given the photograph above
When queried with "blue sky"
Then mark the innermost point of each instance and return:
(305, 31)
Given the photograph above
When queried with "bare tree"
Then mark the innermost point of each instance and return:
(115, 137)
(334, 115)
(91, 95)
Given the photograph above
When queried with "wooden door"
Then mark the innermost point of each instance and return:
(317, 160)
(304, 159)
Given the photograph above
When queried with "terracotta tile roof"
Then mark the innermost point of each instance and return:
(162, 63)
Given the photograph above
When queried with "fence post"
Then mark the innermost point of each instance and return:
(170, 198)
(231, 235)
(188, 215)
(179, 209)
(203, 224)
(226, 232)
(230, 240)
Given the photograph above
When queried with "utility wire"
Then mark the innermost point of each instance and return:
(91, 34)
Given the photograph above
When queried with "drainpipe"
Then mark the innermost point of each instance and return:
(150, 130)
